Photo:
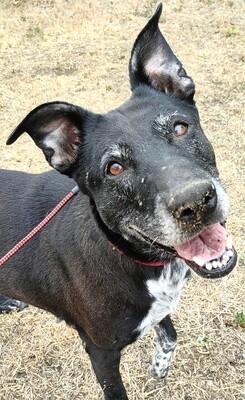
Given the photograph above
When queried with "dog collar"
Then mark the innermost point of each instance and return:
(146, 263)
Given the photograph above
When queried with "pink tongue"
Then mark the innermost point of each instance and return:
(208, 245)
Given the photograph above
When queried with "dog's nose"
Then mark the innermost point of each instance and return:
(194, 203)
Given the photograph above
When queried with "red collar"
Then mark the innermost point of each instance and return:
(148, 264)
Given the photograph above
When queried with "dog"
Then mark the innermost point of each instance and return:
(150, 207)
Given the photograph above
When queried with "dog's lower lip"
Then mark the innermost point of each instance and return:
(217, 272)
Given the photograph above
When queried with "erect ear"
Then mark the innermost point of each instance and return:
(57, 128)
(153, 63)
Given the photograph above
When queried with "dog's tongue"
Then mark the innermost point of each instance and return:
(208, 245)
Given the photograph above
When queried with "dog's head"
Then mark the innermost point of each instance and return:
(147, 166)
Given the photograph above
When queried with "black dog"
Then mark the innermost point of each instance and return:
(113, 262)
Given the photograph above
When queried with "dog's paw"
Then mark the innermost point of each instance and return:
(9, 305)
(160, 364)
(158, 373)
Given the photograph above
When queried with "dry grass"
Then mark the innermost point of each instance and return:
(78, 51)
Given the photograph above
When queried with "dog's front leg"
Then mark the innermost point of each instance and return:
(166, 343)
(106, 367)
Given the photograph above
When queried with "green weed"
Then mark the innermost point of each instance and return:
(35, 32)
(240, 319)
(232, 31)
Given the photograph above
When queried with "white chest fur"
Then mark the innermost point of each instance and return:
(165, 292)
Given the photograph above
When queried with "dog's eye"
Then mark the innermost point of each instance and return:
(180, 129)
(114, 169)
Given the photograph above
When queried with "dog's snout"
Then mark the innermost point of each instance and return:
(194, 203)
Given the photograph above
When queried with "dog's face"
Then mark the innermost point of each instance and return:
(147, 166)
(150, 163)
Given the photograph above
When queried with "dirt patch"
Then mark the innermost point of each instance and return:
(78, 51)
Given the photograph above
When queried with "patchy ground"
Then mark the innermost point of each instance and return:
(78, 51)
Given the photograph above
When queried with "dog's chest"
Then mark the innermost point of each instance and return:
(165, 293)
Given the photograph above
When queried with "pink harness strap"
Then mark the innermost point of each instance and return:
(34, 231)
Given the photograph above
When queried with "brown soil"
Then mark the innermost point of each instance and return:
(78, 51)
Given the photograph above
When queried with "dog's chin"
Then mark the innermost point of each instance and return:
(215, 267)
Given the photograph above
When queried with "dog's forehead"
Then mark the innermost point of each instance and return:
(130, 130)
(144, 110)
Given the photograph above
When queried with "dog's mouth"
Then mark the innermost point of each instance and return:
(210, 253)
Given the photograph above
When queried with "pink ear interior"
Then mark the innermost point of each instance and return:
(62, 136)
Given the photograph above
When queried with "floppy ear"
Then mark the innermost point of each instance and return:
(57, 128)
(153, 63)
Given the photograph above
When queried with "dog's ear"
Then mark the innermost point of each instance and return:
(57, 128)
(153, 63)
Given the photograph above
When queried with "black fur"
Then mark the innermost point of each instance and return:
(71, 268)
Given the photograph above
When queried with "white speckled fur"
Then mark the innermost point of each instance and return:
(165, 292)
(162, 357)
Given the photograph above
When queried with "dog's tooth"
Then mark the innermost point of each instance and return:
(229, 253)
(208, 266)
(214, 264)
(229, 243)
(198, 261)
(224, 259)
(219, 264)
